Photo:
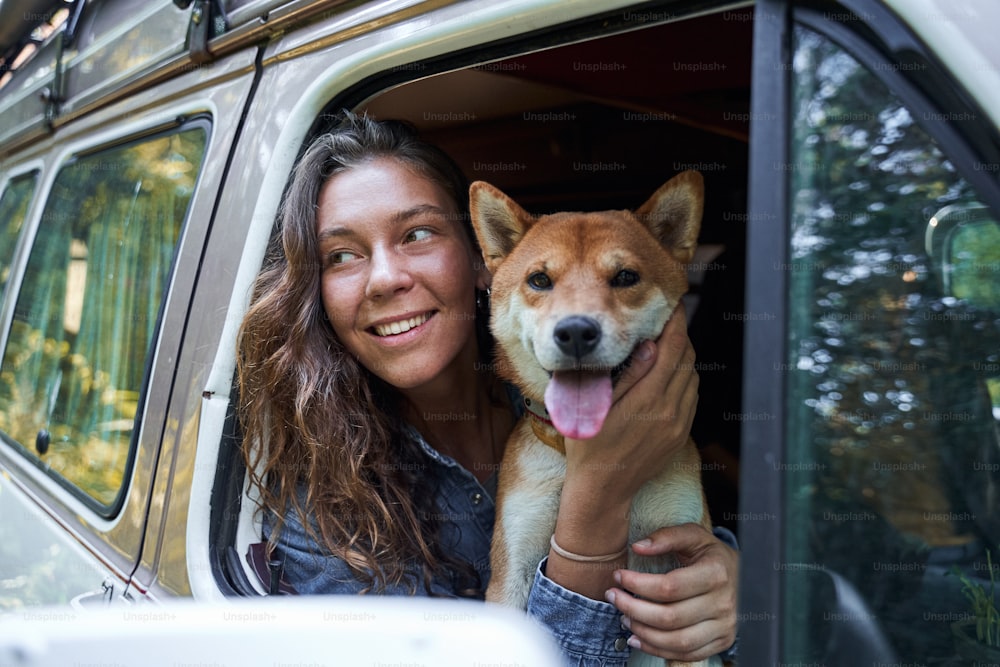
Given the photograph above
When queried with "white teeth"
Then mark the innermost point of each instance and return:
(401, 326)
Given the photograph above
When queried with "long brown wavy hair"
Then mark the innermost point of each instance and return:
(313, 418)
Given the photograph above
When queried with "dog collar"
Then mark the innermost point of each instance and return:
(542, 426)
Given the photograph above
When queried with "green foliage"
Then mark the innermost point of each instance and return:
(983, 605)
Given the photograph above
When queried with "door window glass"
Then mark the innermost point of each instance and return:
(86, 315)
(893, 465)
(13, 209)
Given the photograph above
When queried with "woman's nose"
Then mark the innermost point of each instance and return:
(388, 273)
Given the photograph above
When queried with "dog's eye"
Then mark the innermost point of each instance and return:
(625, 278)
(539, 280)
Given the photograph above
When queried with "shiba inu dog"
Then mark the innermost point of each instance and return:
(573, 294)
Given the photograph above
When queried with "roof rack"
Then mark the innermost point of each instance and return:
(104, 50)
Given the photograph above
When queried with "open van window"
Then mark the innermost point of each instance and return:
(579, 127)
(598, 124)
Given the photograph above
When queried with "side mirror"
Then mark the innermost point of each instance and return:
(963, 242)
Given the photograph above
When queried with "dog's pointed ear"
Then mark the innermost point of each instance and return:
(498, 221)
(673, 213)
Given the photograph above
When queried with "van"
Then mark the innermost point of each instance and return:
(845, 302)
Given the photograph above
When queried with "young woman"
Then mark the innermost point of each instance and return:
(375, 426)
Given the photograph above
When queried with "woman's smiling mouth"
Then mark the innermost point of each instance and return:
(400, 326)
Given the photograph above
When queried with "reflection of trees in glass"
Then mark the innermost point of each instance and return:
(86, 314)
(866, 182)
(13, 208)
(879, 396)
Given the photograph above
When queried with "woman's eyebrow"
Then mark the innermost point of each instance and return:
(398, 217)
(414, 211)
(335, 232)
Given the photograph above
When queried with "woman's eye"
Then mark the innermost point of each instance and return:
(339, 257)
(418, 235)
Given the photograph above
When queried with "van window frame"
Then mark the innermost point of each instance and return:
(229, 568)
(879, 40)
(13, 279)
(761, 488)
(34, 171)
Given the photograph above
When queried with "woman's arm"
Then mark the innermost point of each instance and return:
(689, 613)
(589, 630)
(650, 420)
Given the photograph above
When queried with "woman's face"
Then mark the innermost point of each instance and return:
(397, 273)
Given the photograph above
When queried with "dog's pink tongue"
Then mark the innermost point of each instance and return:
(578, 402)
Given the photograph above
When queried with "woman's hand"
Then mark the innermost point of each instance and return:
(649, 421)
(688, 614)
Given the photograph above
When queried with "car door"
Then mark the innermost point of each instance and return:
(78, 403)
(869, 489)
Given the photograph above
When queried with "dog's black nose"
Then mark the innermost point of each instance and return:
(577, 335)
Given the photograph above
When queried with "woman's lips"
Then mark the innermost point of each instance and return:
(400, 326)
